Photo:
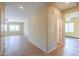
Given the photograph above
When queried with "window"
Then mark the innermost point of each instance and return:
(69, 27)
(66, 27)
(5, 28)
(16, 27)
(13, 28)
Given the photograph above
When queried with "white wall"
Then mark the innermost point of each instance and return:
(26, 24)
(52, 30)
(38, 28)
(43, 28)
(54, 27)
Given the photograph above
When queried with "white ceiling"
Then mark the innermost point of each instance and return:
(72, 15)
(64, 5)
(13, 12)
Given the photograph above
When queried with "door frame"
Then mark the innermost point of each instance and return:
(73, 9)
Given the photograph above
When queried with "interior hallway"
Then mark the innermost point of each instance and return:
(20, 46)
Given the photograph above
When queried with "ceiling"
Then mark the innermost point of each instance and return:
(65, 5)
(72, 15)
(14, 13)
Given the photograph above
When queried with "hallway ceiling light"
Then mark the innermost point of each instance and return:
(68, 18)
(21, 7)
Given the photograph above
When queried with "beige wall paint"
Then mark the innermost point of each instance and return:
(43, 28)
(76, 28)
(26, 27)
(52, 30)
(38, 28)
(54, 27)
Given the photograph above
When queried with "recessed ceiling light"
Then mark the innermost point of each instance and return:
(68, 18)
(21, 7)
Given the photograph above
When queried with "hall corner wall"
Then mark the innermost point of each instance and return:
(45, 28)
(55, 27)
(38, 29)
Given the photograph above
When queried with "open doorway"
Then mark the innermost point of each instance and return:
(71, 34)
(14, 28)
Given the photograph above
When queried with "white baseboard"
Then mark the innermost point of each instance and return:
(72, 37)
(37, 46)
(52, 50)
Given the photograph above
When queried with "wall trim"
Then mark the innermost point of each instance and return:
(58, 45)
(52, 50)
(37, 46)
(72, 37)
